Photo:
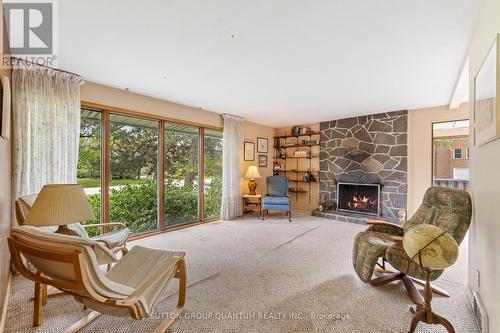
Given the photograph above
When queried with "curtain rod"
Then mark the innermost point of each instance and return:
(232, 115)
(33, 63)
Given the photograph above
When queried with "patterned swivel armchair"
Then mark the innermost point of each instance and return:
(277, 196)
(446, 208)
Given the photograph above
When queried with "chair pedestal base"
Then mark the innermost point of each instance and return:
(409, 283)
(412, 291)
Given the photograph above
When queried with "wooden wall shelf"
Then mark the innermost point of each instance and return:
(295, 146)
(290, 164)
(296, 135)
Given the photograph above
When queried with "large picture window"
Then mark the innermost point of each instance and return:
(120, 157)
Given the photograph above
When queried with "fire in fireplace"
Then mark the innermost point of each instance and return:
(358, 198)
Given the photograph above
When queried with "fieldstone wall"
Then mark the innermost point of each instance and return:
(367, 149)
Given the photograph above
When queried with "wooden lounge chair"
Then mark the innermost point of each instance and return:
(71, 264)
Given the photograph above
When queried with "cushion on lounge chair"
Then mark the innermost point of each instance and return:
(91, 249)
(277, 200)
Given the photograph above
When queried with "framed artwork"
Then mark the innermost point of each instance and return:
(5, 107)
(249, 151)
(262, 161)
(486, 104)
(262, 144)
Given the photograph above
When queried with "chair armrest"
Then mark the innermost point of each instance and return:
(112, 224)
(105, 242)
(397, 239)
(383, 223)
(385, 227)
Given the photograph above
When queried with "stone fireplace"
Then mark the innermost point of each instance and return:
(363, 151)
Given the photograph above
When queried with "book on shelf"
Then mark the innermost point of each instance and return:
(298, 130)
(302, 153)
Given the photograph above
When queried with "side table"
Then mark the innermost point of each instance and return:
(252, 203)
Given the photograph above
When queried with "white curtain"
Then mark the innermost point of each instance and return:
(46, 108)
(231, 176)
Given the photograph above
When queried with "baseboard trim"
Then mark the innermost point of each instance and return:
(3, 318)
(470, 294)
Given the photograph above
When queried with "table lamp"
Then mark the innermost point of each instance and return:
(433, 249)
(60, 204)
(252, 174)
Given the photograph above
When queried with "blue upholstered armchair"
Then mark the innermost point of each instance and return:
(277, 196)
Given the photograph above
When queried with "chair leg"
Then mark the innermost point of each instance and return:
(165, 324)
(44, 294)
(181, 275)
(411, 290)
(289, 213)
(38, 306)
(87, 319)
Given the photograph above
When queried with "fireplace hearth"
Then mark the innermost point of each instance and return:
(358, 198)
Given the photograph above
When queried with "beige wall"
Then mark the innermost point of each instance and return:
(420, 148)
(301, 200)
(100, 94)
(251, 132)
(484, 235)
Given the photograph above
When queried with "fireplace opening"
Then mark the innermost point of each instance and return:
(358, 198)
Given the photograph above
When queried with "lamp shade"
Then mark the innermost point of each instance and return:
(59, 204)
(430, 246)
(252, 172)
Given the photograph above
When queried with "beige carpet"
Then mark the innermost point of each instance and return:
(265, 276)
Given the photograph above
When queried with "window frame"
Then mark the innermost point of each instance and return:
(105, 167)
(455, 153)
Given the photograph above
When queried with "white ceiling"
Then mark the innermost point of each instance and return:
(275, 62)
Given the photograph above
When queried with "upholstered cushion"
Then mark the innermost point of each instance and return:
(115, 238)
(277, 186)
(446, 208)
(368, 247)
(276, 200)
(398, 259)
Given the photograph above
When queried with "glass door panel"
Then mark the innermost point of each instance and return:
(181, 174)
(89, 162)
(213, 173)
(133, 160)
